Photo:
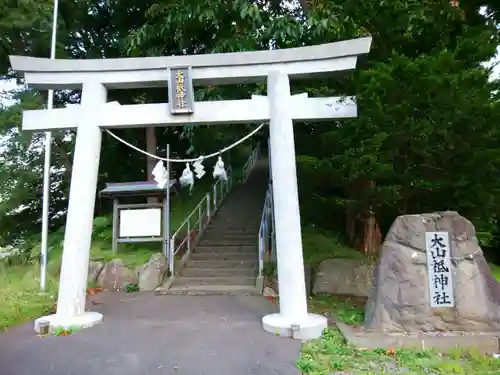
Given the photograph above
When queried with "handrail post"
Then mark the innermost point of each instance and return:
(171, 256)
(261, 256)
(207, 197)
(266, 236)
(200, 218)
(189, 234)
(260, 249)
(215, 196)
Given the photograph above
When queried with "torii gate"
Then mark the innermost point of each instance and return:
(280, 108)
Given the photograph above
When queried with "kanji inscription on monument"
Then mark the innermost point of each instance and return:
(437, 245)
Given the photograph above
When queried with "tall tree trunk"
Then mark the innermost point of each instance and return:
(361, 227)
(372, 236)
(352, 214)
(351, 219)
(150, 148)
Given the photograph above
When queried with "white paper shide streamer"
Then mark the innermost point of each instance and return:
(199, 169)
(219, 171)
(187, 177)
(160, 175)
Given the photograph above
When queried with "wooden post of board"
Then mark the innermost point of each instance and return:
(116, 221)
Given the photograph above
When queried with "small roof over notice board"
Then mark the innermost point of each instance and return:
(139, 188)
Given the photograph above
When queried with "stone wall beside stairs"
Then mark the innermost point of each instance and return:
(115, 275)
(350, 277)
(271, 286)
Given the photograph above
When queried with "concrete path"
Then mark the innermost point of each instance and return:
(143, 334)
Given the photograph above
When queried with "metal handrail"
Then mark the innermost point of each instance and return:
(262, 237)
(266, 229)
(205, 211)
(199, 225)
(250, 163)
(224, 186)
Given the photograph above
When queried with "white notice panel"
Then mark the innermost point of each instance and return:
(140, 222)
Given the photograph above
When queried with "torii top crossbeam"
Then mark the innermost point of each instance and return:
(219, 68)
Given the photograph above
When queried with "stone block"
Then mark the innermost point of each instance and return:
(115, 275)
(152, 273)
(399, 300)
(352, 277)
(95, 269)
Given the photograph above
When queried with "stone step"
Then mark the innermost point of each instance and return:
(193, 290)
(231, 241)
(224, 256)
(227, 249)
(230, 225)
(219, 272)
(223, 263)
(246, 214)
(236, 229)
(230, 235)
(228, 241)
(227, 280)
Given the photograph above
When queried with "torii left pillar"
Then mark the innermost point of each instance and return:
(78, 235)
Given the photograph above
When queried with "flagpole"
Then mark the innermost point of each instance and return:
(46, 168)
(167, 207)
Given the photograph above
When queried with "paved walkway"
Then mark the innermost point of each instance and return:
(143, 334)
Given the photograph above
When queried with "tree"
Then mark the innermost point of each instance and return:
(425, 139)
(20, 174)
(23, 26)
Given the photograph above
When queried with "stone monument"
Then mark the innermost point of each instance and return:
(432, 277)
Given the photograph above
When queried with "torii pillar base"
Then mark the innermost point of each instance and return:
(308, 328)
(56, 322)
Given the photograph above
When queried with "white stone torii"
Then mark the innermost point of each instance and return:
(280, 108)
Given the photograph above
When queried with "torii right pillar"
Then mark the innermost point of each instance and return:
(293, 320)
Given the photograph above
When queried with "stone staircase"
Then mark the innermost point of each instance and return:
(225, 261)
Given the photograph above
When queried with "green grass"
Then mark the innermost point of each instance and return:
(132, 256)
(495, 270)
(347, 309)
(330, 354)
(20, 299)
(321, 245)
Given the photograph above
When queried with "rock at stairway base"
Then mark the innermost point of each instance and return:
(399, 299)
